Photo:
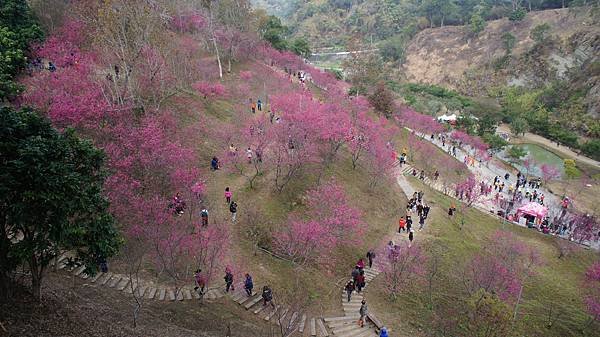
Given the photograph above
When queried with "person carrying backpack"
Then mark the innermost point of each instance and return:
(267, 296)
(259, 105)
(349, 288)
(233, 210)
(228, 280)
(248, 284)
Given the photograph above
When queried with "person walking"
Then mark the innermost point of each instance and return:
(200, 281)
(421, 222)
(349, 288)
(228, 195)
(360, 264)
(363, 311)
(267, 296)
(370, 257)
(355, 273)
(204, 217)
(360, 281)
(383, 332)
(233, 210)
(248, 284)
(426, 210)
(259, 104)
(249, 155)
(401, 225)
(228, 280)
(214, 164)
(408, 223)
(410, 237)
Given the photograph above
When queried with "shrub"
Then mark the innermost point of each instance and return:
(518, 14)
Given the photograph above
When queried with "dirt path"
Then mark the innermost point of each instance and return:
(563, 150)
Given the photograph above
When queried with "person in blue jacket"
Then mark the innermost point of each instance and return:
(383, 332)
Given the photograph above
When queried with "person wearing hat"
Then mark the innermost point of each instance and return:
(383, 332)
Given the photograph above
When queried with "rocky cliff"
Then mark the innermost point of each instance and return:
(476, 64)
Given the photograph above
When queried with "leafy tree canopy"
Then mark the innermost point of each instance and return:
(50, 196)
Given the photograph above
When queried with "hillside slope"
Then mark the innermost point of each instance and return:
(451, 57)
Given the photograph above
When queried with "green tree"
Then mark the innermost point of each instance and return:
(495, 142)
(539, 33)
(50, 198)
(508, 41)
(12, 59)
(571, 170)
(518, 14)
(515, 153)
(17, 30)
(274, 32)
(392, 49)
(16, 16)
(300, 47)
(476, 23)
(519, 126)
(487, 316)
(382, 100)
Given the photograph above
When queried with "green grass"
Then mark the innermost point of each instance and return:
(556, 285)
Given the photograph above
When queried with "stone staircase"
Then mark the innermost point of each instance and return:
(147, 290)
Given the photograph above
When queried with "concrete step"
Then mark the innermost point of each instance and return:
(281, 318)
(302, 322)
(370, 332)
(322, 328)
(358, 331)
(151, 293)
(171, 294)
(313, 327)
(114, 281)
(107, 277)
(161, 294)
(252, 302)
(187, 294)
(272, 313)
(122, 284)
(342, 318)
(131, 287)
(348, 328)
(293, 319)
(179, 295)
(79, 270)
(261, 308)
(96, 277)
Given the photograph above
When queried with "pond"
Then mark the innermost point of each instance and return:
(540, 156)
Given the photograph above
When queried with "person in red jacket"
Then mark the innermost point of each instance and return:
(401, 225)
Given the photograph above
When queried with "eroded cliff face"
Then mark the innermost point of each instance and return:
(452, 57)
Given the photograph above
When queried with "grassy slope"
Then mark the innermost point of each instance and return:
(273, 208)
(556, 286)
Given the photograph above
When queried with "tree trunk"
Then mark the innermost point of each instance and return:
(218, 57)
(517, 304)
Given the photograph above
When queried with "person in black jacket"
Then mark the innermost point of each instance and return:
(267, 296)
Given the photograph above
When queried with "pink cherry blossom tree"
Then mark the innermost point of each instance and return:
(549, 173)
(592, 291)
(405, 265)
